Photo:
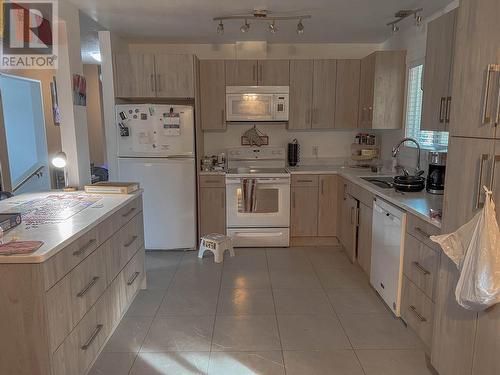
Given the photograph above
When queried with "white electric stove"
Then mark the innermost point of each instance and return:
(267, 224)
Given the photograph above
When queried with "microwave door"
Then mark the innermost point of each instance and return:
(250, 107)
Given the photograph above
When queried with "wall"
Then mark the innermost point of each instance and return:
(95, 124)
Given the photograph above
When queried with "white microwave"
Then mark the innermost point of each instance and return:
(257, 103)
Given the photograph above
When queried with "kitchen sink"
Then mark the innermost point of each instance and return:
(381, 182)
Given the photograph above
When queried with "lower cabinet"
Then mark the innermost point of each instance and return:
(365, 237)
(304, 211)
(212, 204)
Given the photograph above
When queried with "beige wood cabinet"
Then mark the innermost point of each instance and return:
(382, 85)
(212, 94)
(437, 73)
(476, 46)
(328, 206)
(365, 218)
(301, 86)
(212, 204)
(241, 72)
(257, 73)
(348, 90)
(148, 75)
(273, 72)
(304, 206)
(324, 86)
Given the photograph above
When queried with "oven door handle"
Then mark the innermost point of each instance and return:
(275, 181)
(258, 234)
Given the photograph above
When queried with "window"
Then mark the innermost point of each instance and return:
(428, 139)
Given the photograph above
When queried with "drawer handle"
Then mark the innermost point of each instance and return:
(129, 212)
(422, 232)
(84, 248)
(130, 242)
(413, 309)
(133, 277)
(212, 181)
(421, 268)
(92, 337)
(88, 287)
(304, 180)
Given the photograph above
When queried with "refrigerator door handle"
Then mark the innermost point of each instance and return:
(484, 157)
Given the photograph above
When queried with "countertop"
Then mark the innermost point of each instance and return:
(56, 236)
(418, 204)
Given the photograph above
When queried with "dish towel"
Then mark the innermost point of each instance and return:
(249, 194)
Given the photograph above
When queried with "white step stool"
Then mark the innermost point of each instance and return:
(217, 244)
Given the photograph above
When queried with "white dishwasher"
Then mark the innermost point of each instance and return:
(388, 234)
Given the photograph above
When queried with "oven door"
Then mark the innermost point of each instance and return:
(272, 207)
(250, 107)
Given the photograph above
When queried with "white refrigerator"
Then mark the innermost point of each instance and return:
(156, 149)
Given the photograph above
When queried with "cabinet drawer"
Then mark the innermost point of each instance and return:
(304, 180)
(417, 311)
(212, 181)
(421, 265)
(87, 282)
(422, 230)
(133, 276)
(113, 223)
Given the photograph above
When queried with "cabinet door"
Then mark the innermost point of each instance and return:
(365, 237)
(437, 72)
(477, 45)
(324, 85)
(366, 87)
(347, 94)
(327, 207)
(274, 72)
(174, 76)
(241, 72)
(454, 326)
(349, 226)
(212, 210)
(212, 95)
(134, 75)
(301, 82)
(304, 212)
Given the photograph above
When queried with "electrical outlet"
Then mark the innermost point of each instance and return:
(315, 151)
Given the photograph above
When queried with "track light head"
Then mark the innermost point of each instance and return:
(395, 28)
(220, 28)
(418, 20)
(272, 27)
(300, 28)
(245, 27)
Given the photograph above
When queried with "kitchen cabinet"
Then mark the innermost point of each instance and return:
(304, 206)
(148, 75)
(328, 206)
(241, 73)
(212, 94)
(301, 86)
(347, 98)
(212, 205)
(437, 73)
(257, 73)
(474, 110)
(324, 86)
(365, 237)
(382, 85)
(348, 221)
(273, 72)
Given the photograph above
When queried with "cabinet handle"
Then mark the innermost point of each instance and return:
(293, 199)
(158, 77)
(352, 215)
(413, 309)
(92, 337)
(448, 110)
(441, 107)
(132, 240)
(88, 287)
(254, 73)
(421, 268)
(345, 191)
(129, 212)
(322, 186)
(84, 248)
(211, 181)
(259, 78)
(422, 232)
(223, 199)
(153, 82)
(133, 277)
(484, 157)
(304, 180)
(492, 68)
(492, 181)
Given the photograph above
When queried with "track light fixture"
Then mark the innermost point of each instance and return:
(403, 14)
(262, 15)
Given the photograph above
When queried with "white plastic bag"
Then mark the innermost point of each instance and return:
(475, 250)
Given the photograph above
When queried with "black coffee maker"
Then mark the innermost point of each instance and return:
(437, 171)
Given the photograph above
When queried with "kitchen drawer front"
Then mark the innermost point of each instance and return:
(63, 262)
(133, 276)
(120, 248)
(422, 230)
(87, 281)
(59, 317)
(212, 181)
(365, 197)
(421, 265)
(117, 300)
(417, 311)
(302, 180)
(113, 223)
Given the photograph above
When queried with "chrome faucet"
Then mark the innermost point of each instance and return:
(396, 149)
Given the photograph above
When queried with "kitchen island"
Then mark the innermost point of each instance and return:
(61, 303)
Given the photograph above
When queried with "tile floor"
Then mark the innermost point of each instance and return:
(298, 311)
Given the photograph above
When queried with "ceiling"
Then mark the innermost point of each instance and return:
(190, 21)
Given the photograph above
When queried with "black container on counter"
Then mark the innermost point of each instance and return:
(293, 153)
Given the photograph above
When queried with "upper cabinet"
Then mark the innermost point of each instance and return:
(347, 98)
(257, 73)
(382, 85)
(324, 86)
(475, 92)
(146, 75)
(212, 94)
(301, 86)
(437, 73)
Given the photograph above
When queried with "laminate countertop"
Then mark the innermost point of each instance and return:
(418, 204)
(57, 233)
